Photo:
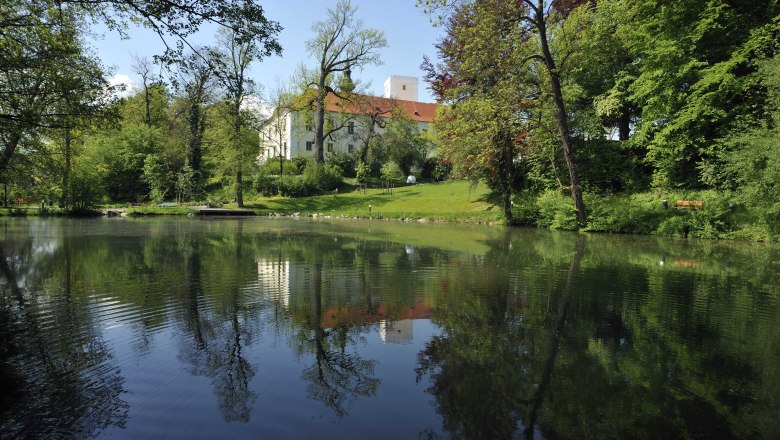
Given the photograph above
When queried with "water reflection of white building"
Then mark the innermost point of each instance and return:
(287, 282)
(273, 276)
(396, 332)
(346, 298)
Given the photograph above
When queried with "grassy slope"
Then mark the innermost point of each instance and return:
(456, 201)
(446, 201)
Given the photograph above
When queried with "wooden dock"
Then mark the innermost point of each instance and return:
(225, 211)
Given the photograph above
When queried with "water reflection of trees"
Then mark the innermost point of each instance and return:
(336, 288)
(58, 374)
(215, 337)
(490, 369)
(585, 345)
(221, 309)
(337, 376)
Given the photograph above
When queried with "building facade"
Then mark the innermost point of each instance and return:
(290, 134)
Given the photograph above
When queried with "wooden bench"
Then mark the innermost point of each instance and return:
(688, 204)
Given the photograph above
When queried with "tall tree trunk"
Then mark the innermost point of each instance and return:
(319, 122)
(624, 124)
(561, 116)
(239, 189)
(367, 143)
(555, 338)
(507, 174)
(281, 162)
(195, 154)
(237, 146)
(8, 153)
(65, 194)
(147, 106)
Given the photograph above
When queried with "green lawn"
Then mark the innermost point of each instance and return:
(454, 201)
(445, 201)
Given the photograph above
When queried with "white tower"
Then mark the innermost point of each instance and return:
(396, 332)
(401, 87)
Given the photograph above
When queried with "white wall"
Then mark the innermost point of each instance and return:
(296, 135)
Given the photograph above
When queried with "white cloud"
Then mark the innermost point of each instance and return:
(120, 79)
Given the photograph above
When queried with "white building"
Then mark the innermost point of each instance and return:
(291, 134)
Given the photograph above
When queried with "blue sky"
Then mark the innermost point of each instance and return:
(408, 30)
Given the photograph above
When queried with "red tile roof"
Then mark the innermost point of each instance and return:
(332, 317)
(418, 111)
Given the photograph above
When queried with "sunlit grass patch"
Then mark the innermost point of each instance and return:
(445, 201)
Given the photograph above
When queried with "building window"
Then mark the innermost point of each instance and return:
(403, 87)
(308, 145)
(330, 147)
(309, 126)
(350, 148)
(351, 128)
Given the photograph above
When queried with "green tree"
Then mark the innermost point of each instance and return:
(479, 132)
(119, 150)
(195, 83)
(229, 153)
(373, 114)
(525, 50)
(232, 59)
(538, 17)
(695, 79)
(47, 76)
(753, 158)
(340, 43)
(84, 98)
(38, 47)
(406, 145)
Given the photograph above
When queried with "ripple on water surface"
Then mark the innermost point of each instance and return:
(255, 328)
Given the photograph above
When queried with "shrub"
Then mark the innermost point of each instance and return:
(293, 186)
(525, 211)
(265, 184)
(635, 214)
(392, 172)
(712, 221)
(157, 175)
(316, 178)
(615, 166)
(676, 226)
(300, 163)
(271, 167)
(436, 168)
(322, 177)
(362, 172)
(86, 191)
(556, 210)
(344, 162)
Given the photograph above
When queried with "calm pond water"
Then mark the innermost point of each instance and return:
(262, 328)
